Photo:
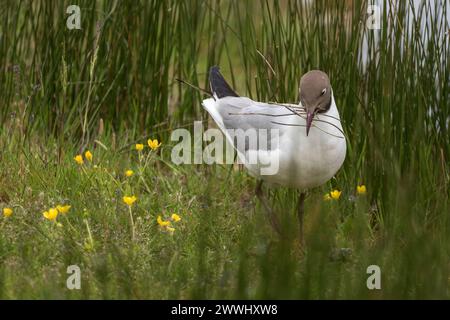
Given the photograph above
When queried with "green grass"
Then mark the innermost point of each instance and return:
(60, 98)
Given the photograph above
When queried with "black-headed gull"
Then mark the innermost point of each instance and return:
(305, 141)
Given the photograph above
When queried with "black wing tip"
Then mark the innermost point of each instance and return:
(214, 69)
(219, 87)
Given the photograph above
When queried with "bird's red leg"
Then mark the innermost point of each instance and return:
(272, 216)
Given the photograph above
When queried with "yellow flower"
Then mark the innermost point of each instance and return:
(79, 159)
(51, 214)
(88, 155)
(63, 209)
(170, 229)
(361, 189)
(139, 146)
(129, 173)
(7, 212)
(176, 217)
(335, 194)
(327, 197)
(129, 200)
(162, 223)
(153, 144)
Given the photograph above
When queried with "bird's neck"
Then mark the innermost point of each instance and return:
(333, 111)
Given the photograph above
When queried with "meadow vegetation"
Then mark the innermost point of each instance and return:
(140, 227)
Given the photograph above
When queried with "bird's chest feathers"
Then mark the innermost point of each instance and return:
(317, 154)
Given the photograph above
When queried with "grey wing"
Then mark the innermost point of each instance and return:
(243, 117)
(244, 113)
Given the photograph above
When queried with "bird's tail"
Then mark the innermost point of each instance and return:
(219, 87)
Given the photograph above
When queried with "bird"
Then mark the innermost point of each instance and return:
(305, 139)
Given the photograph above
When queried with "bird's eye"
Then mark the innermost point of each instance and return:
(323, 91)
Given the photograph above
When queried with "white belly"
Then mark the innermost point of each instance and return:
(303, 162)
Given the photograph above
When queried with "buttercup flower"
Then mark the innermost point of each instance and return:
(63, 209)
(129, 200)
(79, 159)
(162, 223)
(361, 189)
(335, 194)
(139, 146)
(51, 214)
(153, 144)
(175, 217)
(129, 173)
(7, 212)
(88, 155)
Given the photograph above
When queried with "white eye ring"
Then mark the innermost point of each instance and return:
(324, 91)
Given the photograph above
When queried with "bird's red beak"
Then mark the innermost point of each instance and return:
(309, 119)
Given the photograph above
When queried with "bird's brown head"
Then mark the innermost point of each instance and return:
(315, 94)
